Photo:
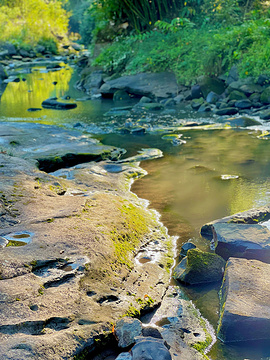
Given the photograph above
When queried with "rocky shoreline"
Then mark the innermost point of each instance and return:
(75, 246)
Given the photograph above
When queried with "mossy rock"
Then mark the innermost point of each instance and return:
(236, 95)
(200, 267)
(265, 96)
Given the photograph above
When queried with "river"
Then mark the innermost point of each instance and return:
(185, 186)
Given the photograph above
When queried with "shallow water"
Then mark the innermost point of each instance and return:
(185, 186)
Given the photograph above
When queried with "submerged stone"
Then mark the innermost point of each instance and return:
(244, 301)
(57, 105)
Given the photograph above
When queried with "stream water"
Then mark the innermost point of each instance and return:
(185, 186)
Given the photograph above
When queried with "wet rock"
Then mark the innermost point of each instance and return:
(205, 108)
(236, 85)
(57, 105)
(119, 111)
(242, 121)
(227, 111)
(243, 104)
(199, 267)
(245, 310)
(242, 240)
(185, 247)
(153, 106)
(255, 98)
(153, 85)
(126, 330)
(150, 348)
(10, 48)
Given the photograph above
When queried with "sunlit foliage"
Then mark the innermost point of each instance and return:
(32, 21)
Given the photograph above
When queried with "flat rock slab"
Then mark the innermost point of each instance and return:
(245, 308)
(252, 216)
(51, 146)
(155, 85)
(239, 240)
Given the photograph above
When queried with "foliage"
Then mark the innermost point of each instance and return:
(246, 44)
(32, 22)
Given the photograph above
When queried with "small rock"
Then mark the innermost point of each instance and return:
(227, 111)
(243, 104)
(147, 348)
(54, 104)
(212, 98)
(126, 330)
(185, 247)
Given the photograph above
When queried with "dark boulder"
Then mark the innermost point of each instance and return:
(243, 104)
(199, 267)
(208, 84)
(250, 241)
(227, 111)
(249, 89)
(265, 115)
(10, 48)
(244, 301)
(121, 95)
(52, 103)
(196, 92)
(34, 109)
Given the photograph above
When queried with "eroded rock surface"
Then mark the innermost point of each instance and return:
(76, 276)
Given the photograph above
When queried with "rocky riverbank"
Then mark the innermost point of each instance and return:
(78, 249)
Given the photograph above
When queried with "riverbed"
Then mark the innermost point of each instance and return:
(187, 186)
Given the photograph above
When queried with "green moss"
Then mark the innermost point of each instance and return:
(15, 243)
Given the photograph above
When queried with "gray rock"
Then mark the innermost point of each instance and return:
(227, 111)
(205, 108)
(255, 98)
(243, 104)
(245, 293)
(199, 267)
(252, 216)
(57, 105)
(93, 81)
(236, 85)
(212, 97)
(179, 98)
(250, 241)
(153, 106)
(249, 89)
(154, 85)
(185, 247)
(24, 53)
(126, 330)
(148, 348)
